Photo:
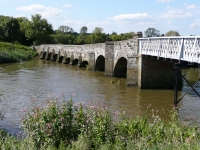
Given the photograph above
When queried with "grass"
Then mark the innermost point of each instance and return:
(63, 124)
(10, 53)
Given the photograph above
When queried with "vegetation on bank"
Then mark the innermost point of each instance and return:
(62, 124)
(10, 53)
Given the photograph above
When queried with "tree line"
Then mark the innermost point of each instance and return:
(39, 31)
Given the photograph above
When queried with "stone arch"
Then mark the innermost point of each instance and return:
(75, 62)
(48, 55)
(120, 69)
(84, 64)
(100, 63)
(42, 54)
(60, 59)
(54, 57)
(67, 60)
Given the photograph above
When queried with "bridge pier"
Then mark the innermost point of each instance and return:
(109, 58)
(64, 61)
(132, 71)
(48, 56)
(91, 61)
(156, 74)
(79, 61)
(71, 60)
(42, 54)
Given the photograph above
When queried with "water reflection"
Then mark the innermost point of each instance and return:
(21, 82)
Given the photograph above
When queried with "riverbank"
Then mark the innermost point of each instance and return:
(63, 124)
(10, 53)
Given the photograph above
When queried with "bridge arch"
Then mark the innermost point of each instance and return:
(75, 62)
(60, 59)
(120, 69)
(100, 63)
(84, 64)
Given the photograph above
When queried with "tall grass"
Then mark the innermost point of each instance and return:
(10, 53)
(63, 124)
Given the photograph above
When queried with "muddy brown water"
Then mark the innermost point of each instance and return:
(36, 79)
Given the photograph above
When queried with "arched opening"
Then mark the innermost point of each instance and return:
(100, 63)
(60, 59)
(54, 57)
(75, 62)
(83, 64)
(48, 56)
(67, 61)
(121, 68)
(42, 55)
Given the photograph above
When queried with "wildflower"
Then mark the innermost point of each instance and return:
(188, 140)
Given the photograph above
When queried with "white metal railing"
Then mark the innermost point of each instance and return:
(185, 48)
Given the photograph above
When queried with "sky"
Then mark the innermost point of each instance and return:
(120, 16)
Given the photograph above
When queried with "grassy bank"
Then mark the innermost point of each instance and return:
(62, 124)
(10, 53)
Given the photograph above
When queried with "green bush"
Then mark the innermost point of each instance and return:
(14, 53)
(63, 124)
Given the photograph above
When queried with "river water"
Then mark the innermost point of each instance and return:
(22, 82)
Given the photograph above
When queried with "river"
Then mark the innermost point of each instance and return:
(22, 82)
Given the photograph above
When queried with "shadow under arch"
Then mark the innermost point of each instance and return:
(60, 59)
(100, 63)
(75, 62)
(84, 64)
(120, 69)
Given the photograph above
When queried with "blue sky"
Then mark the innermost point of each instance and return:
(120, 16)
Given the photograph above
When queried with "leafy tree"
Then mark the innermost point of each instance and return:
(38, 29)
(83, 30)
(97, 36)
(9, 29)
(127, 36)
(21, 35)
(64, 29)
(152, 32)
(172, 33)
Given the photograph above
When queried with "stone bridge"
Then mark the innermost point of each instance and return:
(144, 62)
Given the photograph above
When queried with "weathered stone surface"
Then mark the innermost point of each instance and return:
(145, 72)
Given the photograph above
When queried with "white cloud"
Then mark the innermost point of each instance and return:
(196, 23)
(41, 9)
(67, 5)
(175, 13)
(163, 1)
(191, 6)
(131, 16)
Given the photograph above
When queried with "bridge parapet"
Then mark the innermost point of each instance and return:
(179, 48)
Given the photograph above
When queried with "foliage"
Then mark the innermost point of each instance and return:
(14, 53)
(9, 29)
(62, 124)
(83, 30)
(172, 33)
(64, 29)
(38, 29)
(152, 32)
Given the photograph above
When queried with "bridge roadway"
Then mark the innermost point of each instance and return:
(145, 62)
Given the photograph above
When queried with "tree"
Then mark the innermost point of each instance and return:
(83, 30)
(38, 29)
(64, 29)
(97, 36)
(97, 30)
(152, 32)
(172, 33)
(9, 28)
(21, 36)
